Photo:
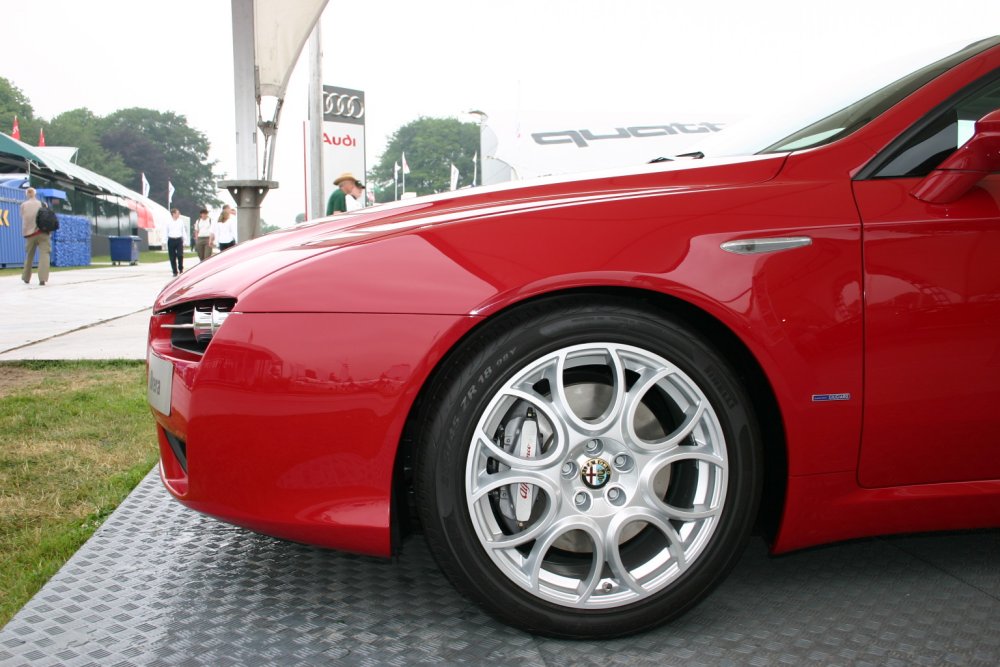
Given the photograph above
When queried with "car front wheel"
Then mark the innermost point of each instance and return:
(588, 469)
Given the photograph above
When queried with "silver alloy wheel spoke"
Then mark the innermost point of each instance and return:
(510, 459)
(542, 545)
(553, 370)
(551, 413)
(490, 482)
(658, 519)
(655, 464)
(629, 485)
(693, 414)
(622, 574)
(674, 541)
(619, 394)
(504, 457)
(694, 514)
(692, 419)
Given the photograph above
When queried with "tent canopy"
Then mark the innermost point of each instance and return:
(52, 165)
(280, 31)
(12, 146)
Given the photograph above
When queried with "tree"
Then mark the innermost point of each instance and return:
(164, 147)
(124, 145)
(142, 156)
(82, 129)
(13, 102)
(431, 145)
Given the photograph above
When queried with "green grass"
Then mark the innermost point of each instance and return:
(78, 437)
(145, 257)
(97, 261)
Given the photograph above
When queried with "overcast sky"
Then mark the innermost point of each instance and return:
(444, 57)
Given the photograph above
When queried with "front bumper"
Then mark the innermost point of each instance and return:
(289, 423)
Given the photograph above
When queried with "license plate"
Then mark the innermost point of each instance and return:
(159, 383)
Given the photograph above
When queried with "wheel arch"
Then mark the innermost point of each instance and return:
(744, 363)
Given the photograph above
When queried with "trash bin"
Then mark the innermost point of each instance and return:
(124, 249)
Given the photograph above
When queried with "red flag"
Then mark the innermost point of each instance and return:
(41, 137)
(16, 132)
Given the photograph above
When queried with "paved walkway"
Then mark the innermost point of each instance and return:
(93, 313)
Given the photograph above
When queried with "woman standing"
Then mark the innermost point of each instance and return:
(224, 231)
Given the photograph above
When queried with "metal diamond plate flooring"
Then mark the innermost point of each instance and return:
(162, 585)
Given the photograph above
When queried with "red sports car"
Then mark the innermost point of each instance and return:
(588, 392)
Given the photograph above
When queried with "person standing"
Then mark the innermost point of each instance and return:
(176, 233)
(203, 236)
(34, 238)
(338, 200)
(224, 231)
(356, 196)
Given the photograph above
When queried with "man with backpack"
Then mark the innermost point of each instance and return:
(34, 238)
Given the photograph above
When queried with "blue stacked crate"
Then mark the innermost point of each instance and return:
(11, 241)
(71, 242)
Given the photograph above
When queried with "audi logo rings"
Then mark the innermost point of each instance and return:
(344, 106)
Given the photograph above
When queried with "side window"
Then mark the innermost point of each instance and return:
(939, 135)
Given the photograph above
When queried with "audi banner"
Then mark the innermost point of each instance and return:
(343, 135)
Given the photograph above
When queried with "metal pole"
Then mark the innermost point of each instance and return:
(315, 140)
(305, 173)
(245, 89)
(248, 190)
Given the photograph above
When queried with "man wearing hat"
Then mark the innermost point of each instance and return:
(338, 200)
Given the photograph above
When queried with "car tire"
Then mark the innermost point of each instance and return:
(587, 467)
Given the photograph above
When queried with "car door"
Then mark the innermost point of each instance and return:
(932, 309)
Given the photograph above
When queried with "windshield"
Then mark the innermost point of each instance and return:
(818, 119)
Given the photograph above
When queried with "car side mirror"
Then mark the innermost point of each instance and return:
(961, 170)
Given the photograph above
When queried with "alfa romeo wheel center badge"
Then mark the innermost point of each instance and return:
(595, 473)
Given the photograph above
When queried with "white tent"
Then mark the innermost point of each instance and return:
(517, 145)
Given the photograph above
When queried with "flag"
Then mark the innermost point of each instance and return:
(41, 137)
(475, 167)
(16, 132)
(395, 171)
(454, 177)
(406, 167)
(170, 193)
(145, 185)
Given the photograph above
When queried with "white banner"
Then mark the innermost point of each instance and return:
(526, 144)
(343, 136)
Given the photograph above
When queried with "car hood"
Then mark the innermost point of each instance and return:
(228, 274)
